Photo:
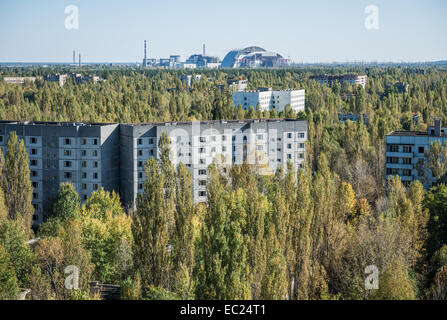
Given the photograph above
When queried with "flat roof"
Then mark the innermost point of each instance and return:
(408, 133)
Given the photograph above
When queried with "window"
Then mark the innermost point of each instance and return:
(202, 161)
(96, 164)
(85, 197)
(84, 164)
(393, 148)
(95, 186)
(289, 156)
(202, 150)
(67, 141)
(289, 146)
(202, 139)
(202, 193)
(67, 164)
(279, 139)
(151, 141)
(33, 139)
(224, 138)
(84, 175)
(151, 152)
(260, 137)
(95, 141)
(406, 172)
(35, 216)
(202, 182)
(34, 184)
(202, 172)
(67, 175)
(34, 173)
(140, 152)
(67, 153)
(84, 186)
(224, 149)
(421, 149)
(83, 153)
(259, 148)
(213, 138)
(140, 186)
(392, 160)
(33, 162)
(407, 149)
(35, 195)
(95, 153)
(289, 135)
(140, 141)
(33, 151)
(279, 160)
(140, 175)
(301, 135)
(300, 155)
(213, 149)
(84, 141)
(406, 160)
(140, 164)
(95, 175)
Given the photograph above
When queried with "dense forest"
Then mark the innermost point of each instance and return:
(294, 235)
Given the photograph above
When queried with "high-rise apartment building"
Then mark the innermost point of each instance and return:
(406, 154)
(112, 156)
(352, 79)
(268, 99)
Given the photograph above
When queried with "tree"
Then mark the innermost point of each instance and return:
(66, 205)
(222, 270)
(436, 162)
(183, 236)
(9, 288)
(150, 230)
(16, 183)
(395, 284)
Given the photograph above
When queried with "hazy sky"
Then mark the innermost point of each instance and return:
(309, 31)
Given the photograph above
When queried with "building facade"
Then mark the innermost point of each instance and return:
(86, 155)
(351, 79)
(112, 156)
(406, 154)
(268, 99)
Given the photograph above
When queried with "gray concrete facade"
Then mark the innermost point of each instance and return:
(91, 156)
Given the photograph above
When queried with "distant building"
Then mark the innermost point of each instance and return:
(352, 79)
(238, 84)
(405, 154)
(401, 87)
(59, 78)
(19, 80)
(253, 57)
(187, 79)
(79, 78)
(268, 99)
(202, 61)
(343, 117)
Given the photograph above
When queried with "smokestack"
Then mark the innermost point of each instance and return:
(145, 54)
(204, 50)
(74, 57)
(79, 60)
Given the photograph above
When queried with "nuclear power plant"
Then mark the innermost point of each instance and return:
(250, 57)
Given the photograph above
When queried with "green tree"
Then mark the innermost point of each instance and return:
(66, 205)
(16, 183)
(9, 288)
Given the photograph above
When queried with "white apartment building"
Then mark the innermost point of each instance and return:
(405, 154)
(269, 99)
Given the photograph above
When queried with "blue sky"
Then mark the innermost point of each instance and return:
(305, 31)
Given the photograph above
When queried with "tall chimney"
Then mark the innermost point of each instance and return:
(74, 57)
(145, 54)
(204, 53)
(79, 60)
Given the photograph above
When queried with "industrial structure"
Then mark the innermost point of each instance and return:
(112, 156)
(252, 57)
